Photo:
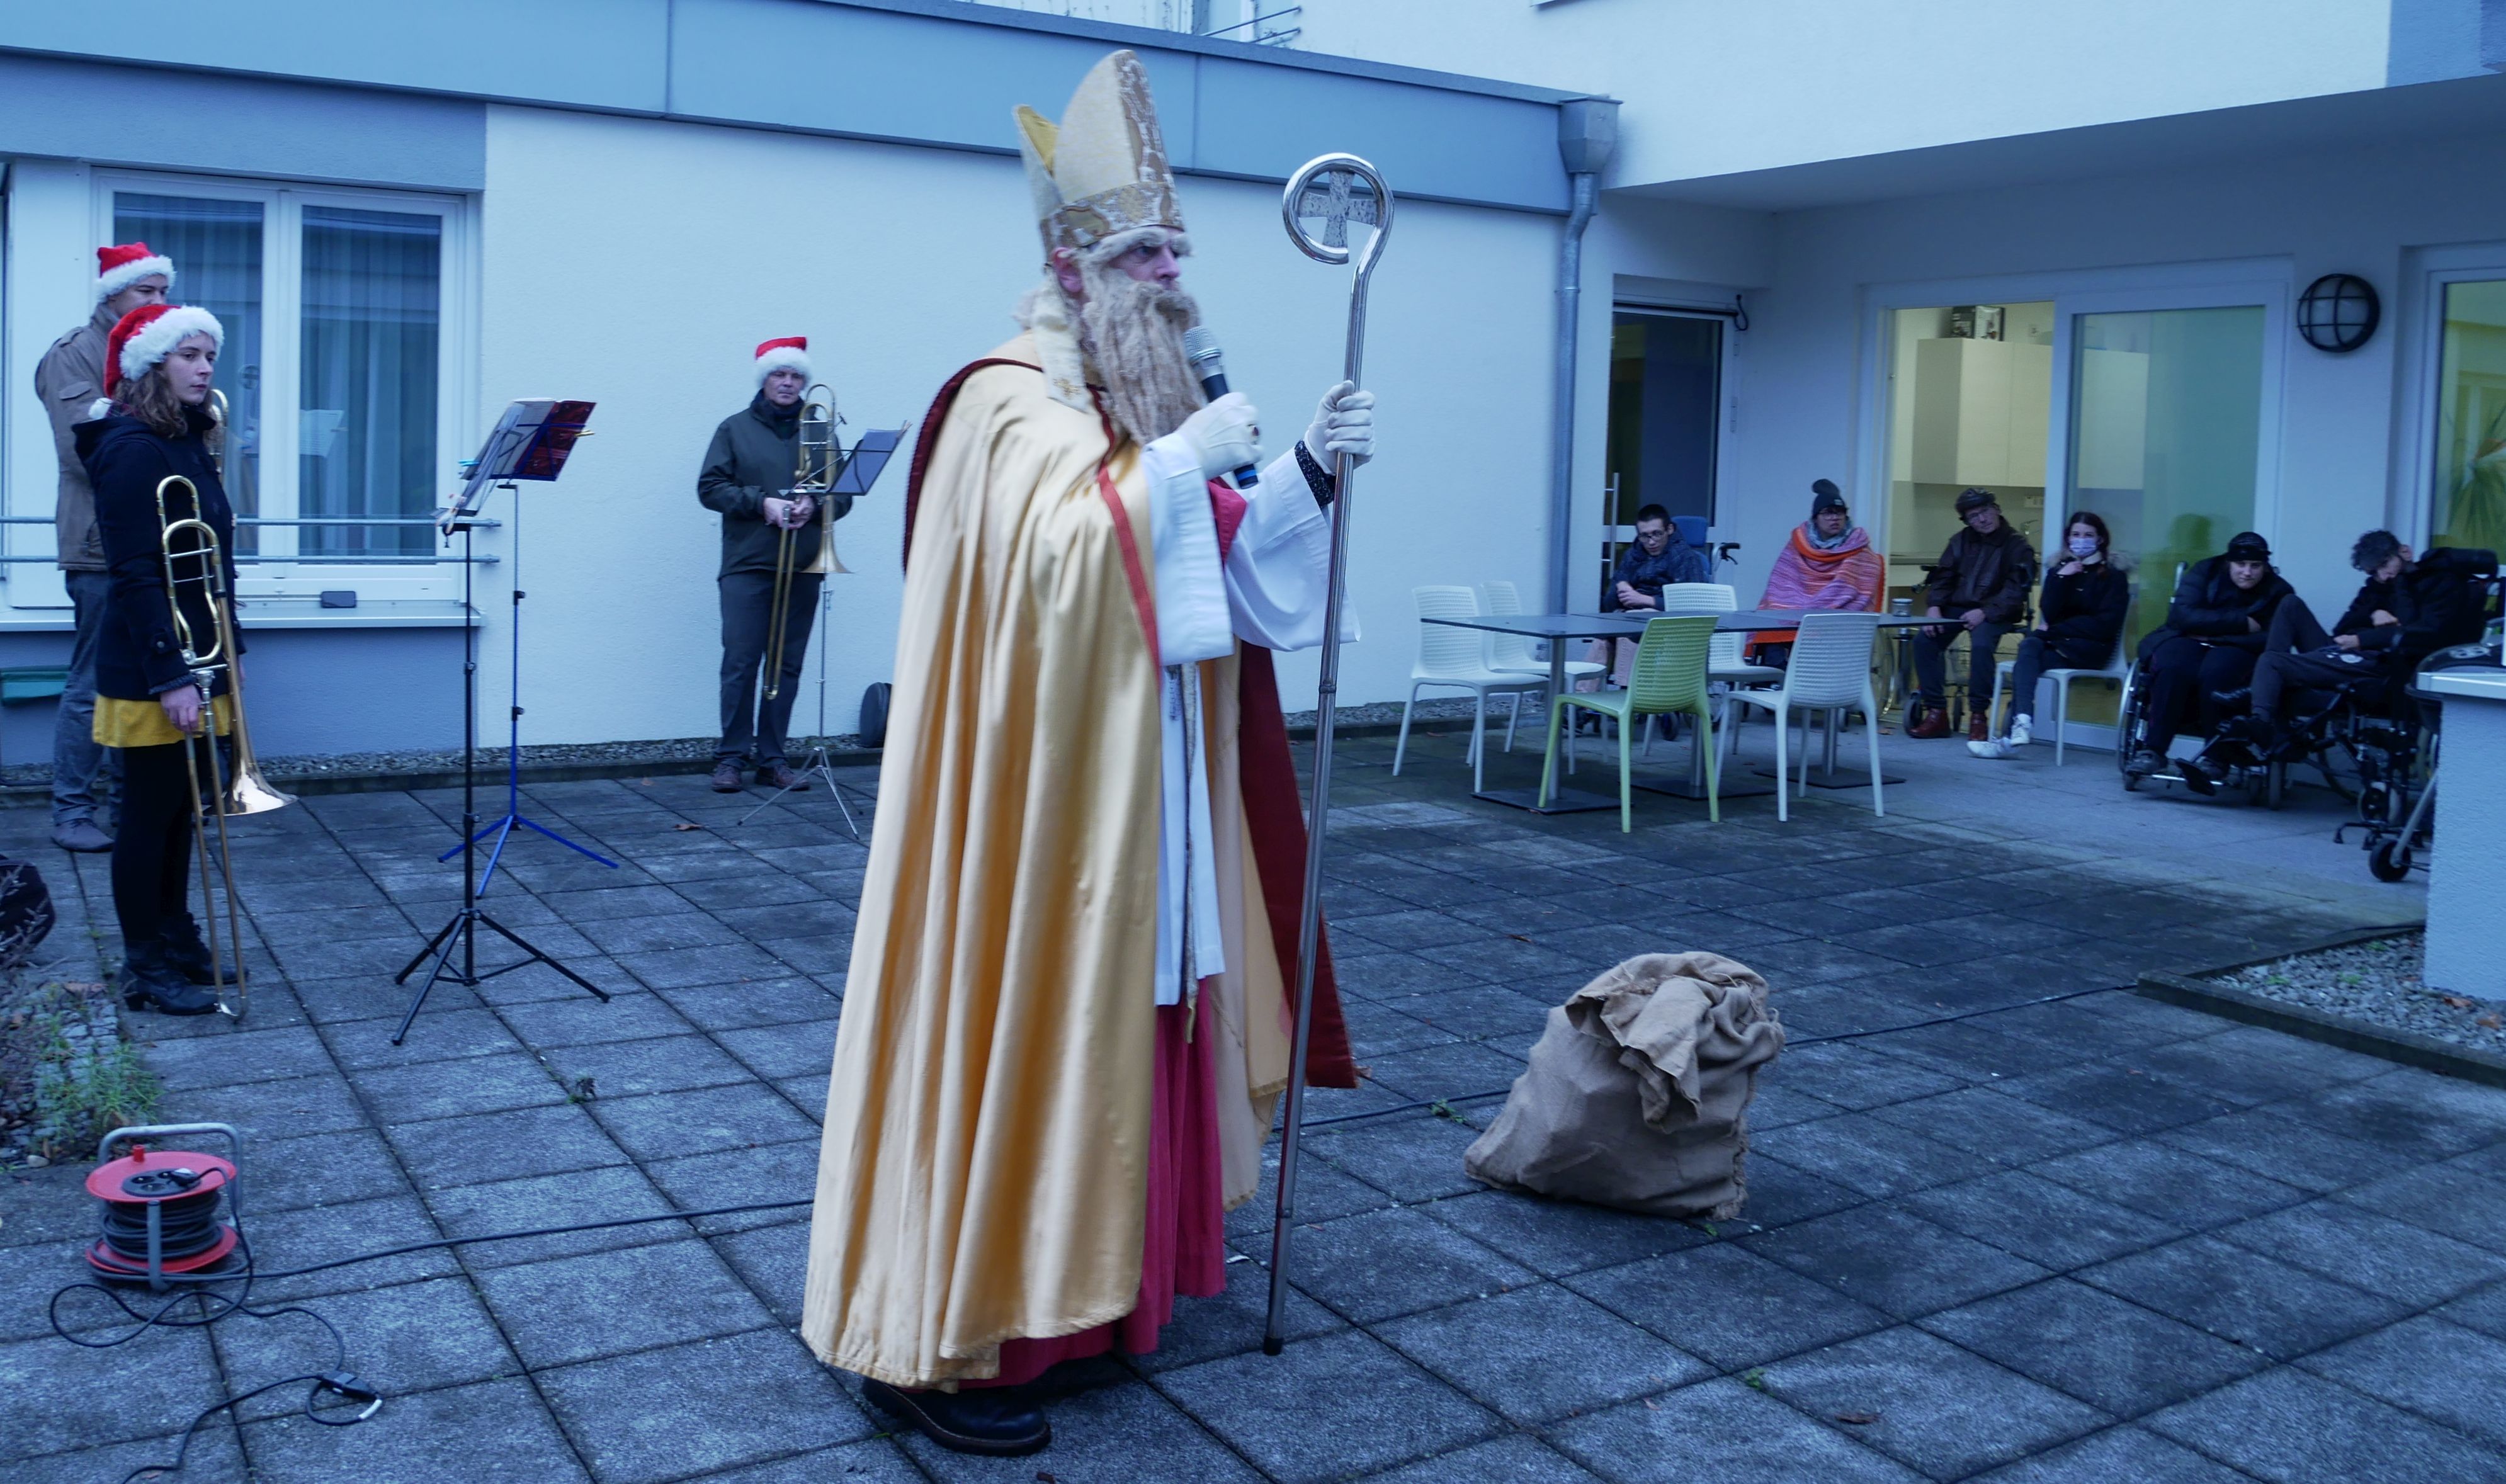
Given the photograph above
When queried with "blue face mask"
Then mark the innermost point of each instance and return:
(2084, 546)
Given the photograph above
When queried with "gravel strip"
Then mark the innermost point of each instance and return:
(2377, 984)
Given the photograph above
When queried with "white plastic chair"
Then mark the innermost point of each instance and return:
(2116, 668)
(1454, 659)
(1830, 671)
(1723, 661)
(1510, 653)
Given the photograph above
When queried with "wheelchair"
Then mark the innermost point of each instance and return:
(2322, 745)
(2396, 758)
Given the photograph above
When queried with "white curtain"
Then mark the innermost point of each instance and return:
(216, 247)
(367, 387)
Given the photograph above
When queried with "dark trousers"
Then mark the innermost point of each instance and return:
(2185, 674)
(751, 723)
(1931, 655)
(83, 769)
(2301, 654)
(151, 850)
(2037, 655)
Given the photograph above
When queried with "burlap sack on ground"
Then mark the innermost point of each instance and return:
(1638, 1091)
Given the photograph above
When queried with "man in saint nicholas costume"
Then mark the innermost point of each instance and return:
(1068, 1017)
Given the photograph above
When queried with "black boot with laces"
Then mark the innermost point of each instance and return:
(150, 982)
(189, 953)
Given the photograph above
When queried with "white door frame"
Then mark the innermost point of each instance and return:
(2418, 321)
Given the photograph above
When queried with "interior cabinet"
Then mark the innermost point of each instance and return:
(1981, 412)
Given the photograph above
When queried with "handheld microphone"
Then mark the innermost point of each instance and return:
(1201, 348)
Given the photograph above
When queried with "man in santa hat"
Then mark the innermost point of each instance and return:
(70, 378)
(747, 476)
(1067, 1019)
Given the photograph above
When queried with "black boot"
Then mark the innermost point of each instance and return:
(1003, 1421)
(189, 953)
(150, 982)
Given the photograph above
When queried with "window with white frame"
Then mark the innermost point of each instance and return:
(342, 333)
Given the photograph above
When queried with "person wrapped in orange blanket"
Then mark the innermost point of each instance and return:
(1826, 563)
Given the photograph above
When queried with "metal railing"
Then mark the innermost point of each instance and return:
(301, 559)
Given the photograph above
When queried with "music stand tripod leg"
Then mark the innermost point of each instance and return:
(538, 954)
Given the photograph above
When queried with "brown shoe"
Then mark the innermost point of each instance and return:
(726, 776)
(1978, 729)
(1935, 723)
(780, 777)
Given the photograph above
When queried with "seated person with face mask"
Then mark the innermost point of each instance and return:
(2078, 620)
(2216, 628)
(2406, 609)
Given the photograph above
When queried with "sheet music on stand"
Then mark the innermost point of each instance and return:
(531, 440)
(864, 461)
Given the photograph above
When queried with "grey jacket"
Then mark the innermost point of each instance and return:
(69, 378)
(752, 457)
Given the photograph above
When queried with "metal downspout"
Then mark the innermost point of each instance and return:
(1587, 129)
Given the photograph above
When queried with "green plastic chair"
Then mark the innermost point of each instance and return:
(1668, 677)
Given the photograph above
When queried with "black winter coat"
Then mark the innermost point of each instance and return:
(138, 654)
(2438, 600)
(752, 456)
(1987, 572)
(2087, 606)
(2209, 606)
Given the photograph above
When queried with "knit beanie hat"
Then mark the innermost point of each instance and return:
(2248, 546)
(1824, 496)
(1976, 500)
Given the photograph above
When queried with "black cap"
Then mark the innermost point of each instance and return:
(2248, 546)
(1824, 496)
(1976, 499)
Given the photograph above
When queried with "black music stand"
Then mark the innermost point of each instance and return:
(531, 441)
(862, 465)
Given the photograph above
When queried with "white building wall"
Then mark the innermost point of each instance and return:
(1712, 87)
(2350, 427)
(637, 264)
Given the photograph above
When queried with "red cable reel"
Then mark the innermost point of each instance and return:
(165, 1210)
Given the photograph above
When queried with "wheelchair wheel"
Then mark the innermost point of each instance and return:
(2390, 861)
(2128, 726)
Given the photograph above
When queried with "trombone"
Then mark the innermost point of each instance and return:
(189, 538)
(817, 460)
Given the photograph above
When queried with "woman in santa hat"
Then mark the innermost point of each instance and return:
(154, 422)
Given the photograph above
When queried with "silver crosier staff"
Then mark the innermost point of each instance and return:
(1331, 191)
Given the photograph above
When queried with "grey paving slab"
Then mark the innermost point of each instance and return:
(739, 1177)
(2438, 1371)
(2244, 1297)
(759, 1003)
(321, 1170)
(1554, 1238)
(310, 1236)
(1327, 1408)
(412, 1337)
(668, 1124)
(2293, 1427)
(1384, 1263)
(611, 1193)
(1412, 1160)
(1893, 1261)
(2120, 1357)
(2169, 1182)
(1517, 1458)
(2030, 1217)
(2338, 1240)
(1721, 1430)
(268, 1111)
(48, 1391)
(2454, 1198)
(1728, 1305)
(496, 1429)
(1234, 1322)
(503, 1146)
(876, 1460)
(1541, 1353)
(215, 1458)
(1855, 1077)
(2415, 1117)
(1120, 1431)
(632, 1069)
(1871, 1158)
(578, 1020)
(606, 1304)
(689, 1409)
(1928, 1403)
(2124, 1455)
(480, 1084)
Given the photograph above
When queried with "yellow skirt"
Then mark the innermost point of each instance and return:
(143, 723)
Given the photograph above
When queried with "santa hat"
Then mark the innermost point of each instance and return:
(149, 335)
(118, 268)
(790, 353)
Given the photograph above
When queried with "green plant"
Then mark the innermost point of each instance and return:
(87, 1081)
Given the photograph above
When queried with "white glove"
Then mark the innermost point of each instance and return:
(1344, 423)
(1224, 434)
